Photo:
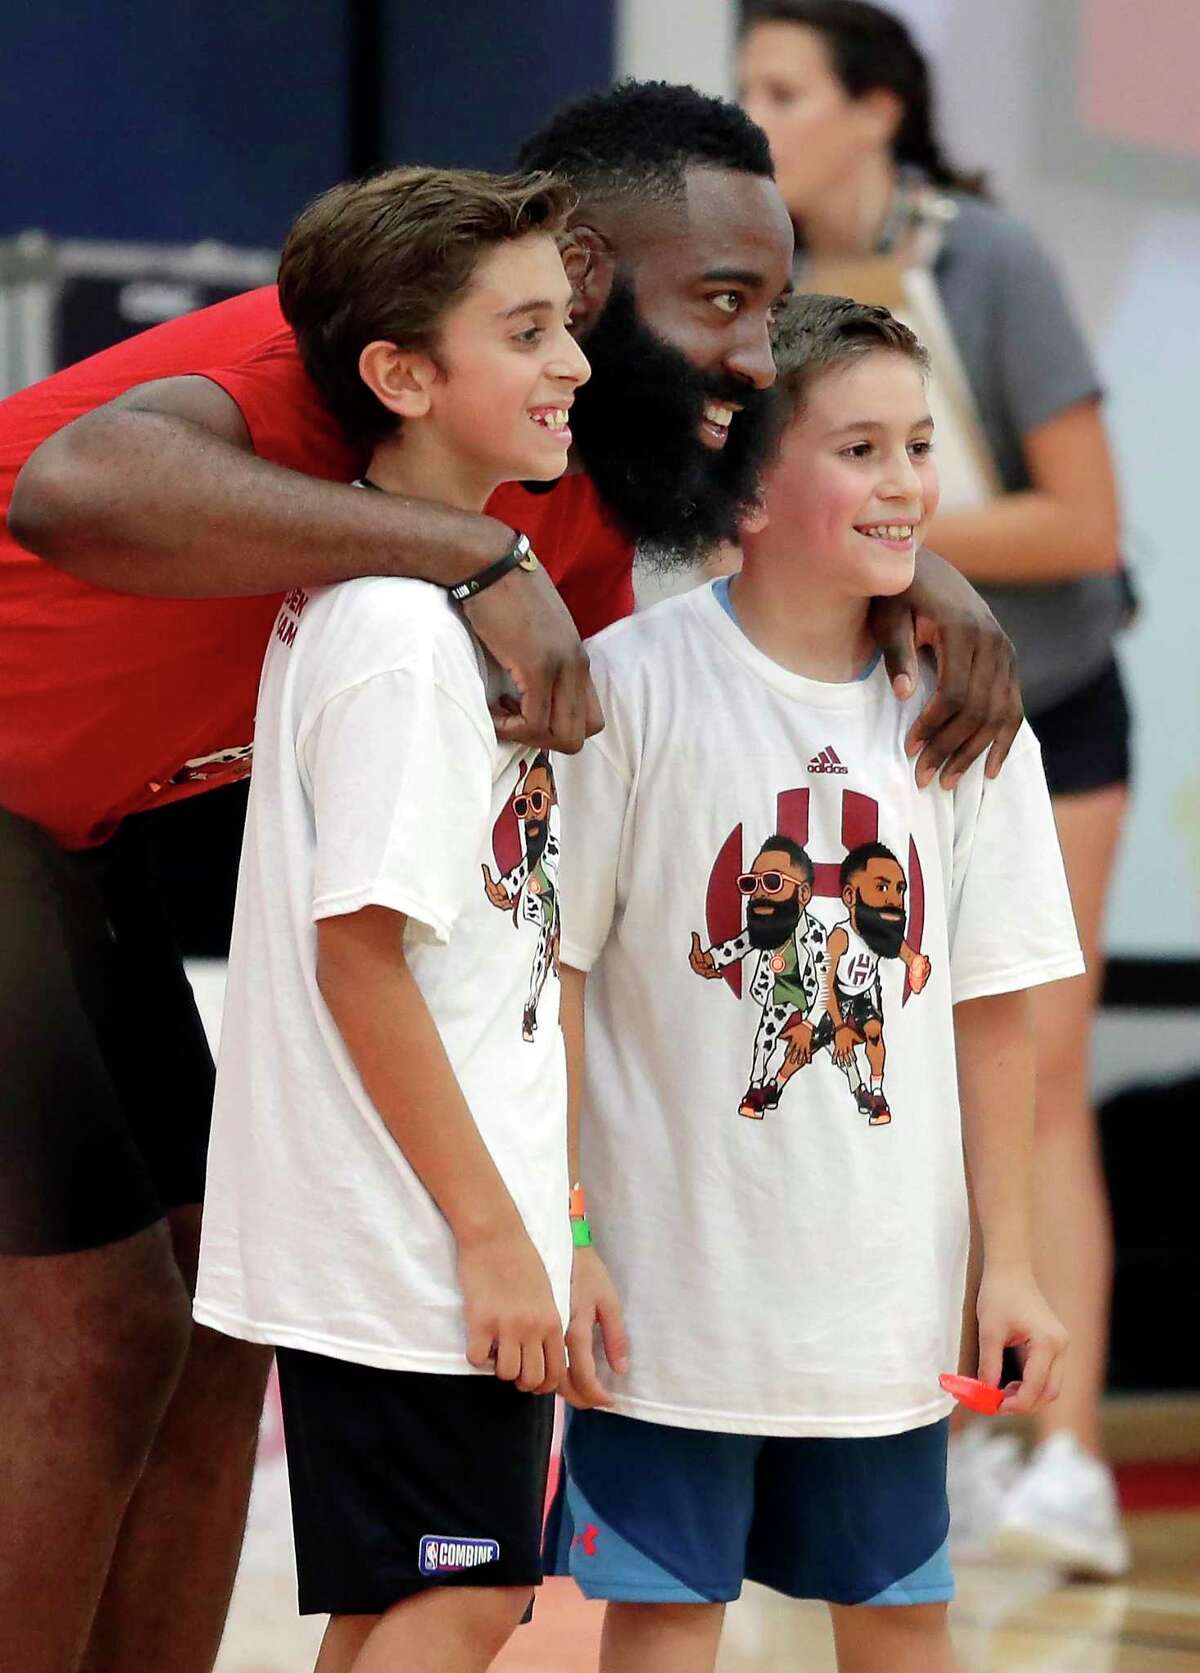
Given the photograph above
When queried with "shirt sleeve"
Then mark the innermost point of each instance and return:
(595, 790)
(1011, 923)
(401, 780)
(1043, 360)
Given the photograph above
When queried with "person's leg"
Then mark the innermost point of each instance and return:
(1072, 1229)
(94, 1314)
(94, 1343)
(907, 1639)
(446, 1627)
(661, 1637)
(654, 1519)
(169, 1583)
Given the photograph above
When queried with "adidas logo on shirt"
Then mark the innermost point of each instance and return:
(826, 761)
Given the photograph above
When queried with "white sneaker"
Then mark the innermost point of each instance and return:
(1063, 1512)
(981, 1470)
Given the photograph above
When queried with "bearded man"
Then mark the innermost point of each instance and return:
(873, 889)
(790, 977)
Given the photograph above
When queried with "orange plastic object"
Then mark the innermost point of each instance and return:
(578, 1203)
(970, 1392)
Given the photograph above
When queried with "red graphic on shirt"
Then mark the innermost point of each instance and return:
(586, 1541)
(859, 824)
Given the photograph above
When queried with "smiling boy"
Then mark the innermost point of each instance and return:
(387, 1191)
(793, 1283)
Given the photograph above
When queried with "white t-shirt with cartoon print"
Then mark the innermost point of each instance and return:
(378, 780)
(777, 925)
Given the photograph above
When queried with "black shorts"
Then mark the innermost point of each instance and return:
(106, 1078)
(1085, 737)
(402, 1480)
(858, 1009)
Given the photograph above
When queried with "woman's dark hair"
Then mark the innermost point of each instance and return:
(872, 48)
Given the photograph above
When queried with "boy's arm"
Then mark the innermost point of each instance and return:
(394, 1043)
(994, 1043)
(594, 1300)
(160, 492)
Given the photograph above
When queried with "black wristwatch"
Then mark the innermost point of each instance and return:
(520, 555)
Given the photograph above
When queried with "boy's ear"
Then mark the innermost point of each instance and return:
(401, 379)
(590, 262)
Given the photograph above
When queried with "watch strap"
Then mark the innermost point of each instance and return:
(520, 555)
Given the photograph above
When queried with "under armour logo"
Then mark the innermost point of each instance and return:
(587, 1540)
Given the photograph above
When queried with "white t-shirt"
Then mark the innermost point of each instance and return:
(798, 1269)
(378, 780)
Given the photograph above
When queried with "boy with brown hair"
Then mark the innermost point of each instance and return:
(387, 1195)
(789, 1240)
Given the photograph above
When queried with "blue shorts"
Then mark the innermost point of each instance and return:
(645, 1513)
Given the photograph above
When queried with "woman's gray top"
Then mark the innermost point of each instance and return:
(1026, 360)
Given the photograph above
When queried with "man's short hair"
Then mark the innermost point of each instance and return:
(638, 138)
(382, 260)
(858, 859)
(814, 333)
(779, 844)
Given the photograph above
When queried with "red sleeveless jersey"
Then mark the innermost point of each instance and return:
(111, 703)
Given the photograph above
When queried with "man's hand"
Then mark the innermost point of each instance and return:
(510, 1311)
(1013, 1313)
(799, 1044)
(845, 1039)
(702, 962)
(528, 629)
(918, 971)
(594, 1305)
(978, 699)
(495, 891)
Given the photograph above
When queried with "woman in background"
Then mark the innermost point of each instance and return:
(844, 96)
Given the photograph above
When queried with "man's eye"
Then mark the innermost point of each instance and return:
(728, 301)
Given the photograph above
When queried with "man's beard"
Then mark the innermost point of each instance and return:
(636, 424)
(771, 928)
(536, 834)
(882, 928)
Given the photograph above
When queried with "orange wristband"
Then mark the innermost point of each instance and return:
(578, 1210)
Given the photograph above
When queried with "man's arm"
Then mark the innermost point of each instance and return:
(994, 1042)
(397, 1050)
(160, 492)
(977, 704)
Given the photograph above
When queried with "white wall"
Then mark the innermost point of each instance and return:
(678, 40)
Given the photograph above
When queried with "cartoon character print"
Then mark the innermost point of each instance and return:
(873, 891)
(790, 979)
(228, 765)
(530, 889)
(820, 929)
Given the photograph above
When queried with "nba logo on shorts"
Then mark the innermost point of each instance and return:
(443, 1554)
